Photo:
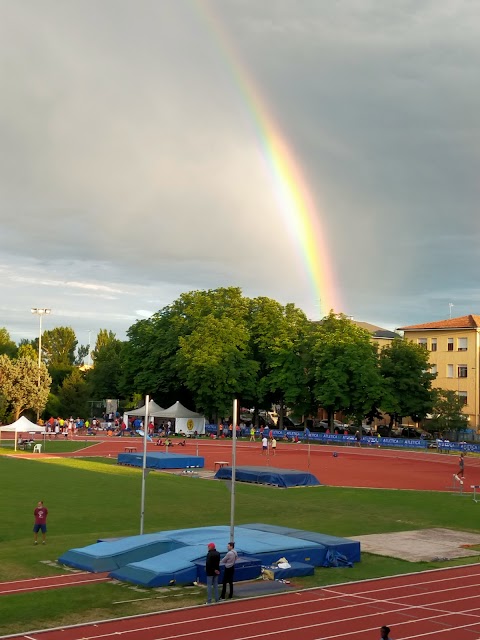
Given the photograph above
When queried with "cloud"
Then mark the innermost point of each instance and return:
(131, 167)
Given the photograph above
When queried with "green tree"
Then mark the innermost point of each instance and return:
(27, 350)
(7, 345)
(58, 346)
(23, 385)
(447, 411)
(405, 369)
(280, 346)
(346, 375)
(82, 354)
(105, 376)
(74, 394)
(215, 364)
(104, 338)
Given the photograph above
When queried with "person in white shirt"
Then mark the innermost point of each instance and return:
(264, 445)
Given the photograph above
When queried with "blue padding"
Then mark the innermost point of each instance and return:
(270, 528)
(268, 475)
(175, 556)
(296, 570)
(107, 556)
(245, 569)
(349, 548)
(161, 460)
(161, 570)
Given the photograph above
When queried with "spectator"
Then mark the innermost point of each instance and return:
(212, 569)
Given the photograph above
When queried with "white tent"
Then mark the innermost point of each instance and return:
(186, 421)
(153, 408)
(22, 425)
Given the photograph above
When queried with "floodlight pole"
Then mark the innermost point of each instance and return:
(40, 312)
(234, 467)
(144, 465)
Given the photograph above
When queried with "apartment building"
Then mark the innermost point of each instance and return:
(453, 347)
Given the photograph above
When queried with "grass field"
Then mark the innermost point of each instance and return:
(93, 498)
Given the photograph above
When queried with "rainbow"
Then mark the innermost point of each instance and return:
(296, 203)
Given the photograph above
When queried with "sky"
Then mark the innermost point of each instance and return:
(133, 166)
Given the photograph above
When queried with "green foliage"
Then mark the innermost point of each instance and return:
(7, 345)
(82, 354)
(104, 339)
(105, 376)
(58, 346)
(447, 411)
(59, 373)
(346, 376)
(215, 364)
(27, 350)
(23, 384)
(405, 369)
(73, 395)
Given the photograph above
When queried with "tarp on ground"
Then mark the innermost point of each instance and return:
(186, 421)
(162, 460)
(269, 475)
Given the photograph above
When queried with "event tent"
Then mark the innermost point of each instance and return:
(153, 408)
(23, 425)
(186, 421)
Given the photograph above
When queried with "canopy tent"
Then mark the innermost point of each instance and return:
(186, 421)
(22, 425)
(153, 408)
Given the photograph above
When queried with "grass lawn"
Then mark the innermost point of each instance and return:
(93, 498)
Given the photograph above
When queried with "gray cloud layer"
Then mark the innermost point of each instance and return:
(130, 169)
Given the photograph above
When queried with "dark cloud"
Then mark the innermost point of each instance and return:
(131, 168)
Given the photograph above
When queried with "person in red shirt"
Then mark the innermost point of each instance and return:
(40, 514)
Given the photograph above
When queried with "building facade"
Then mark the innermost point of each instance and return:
(454, 350)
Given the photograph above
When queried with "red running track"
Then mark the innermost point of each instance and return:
(354, 467)
(50, 582)
(442, 605)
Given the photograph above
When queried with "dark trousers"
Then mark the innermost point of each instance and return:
(227, 579)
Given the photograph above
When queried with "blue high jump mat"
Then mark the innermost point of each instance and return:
(178, 556)
(161, 460)
(269, 475)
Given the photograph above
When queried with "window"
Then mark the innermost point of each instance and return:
(422, 342)
(449, 370)
(450, 344)
(434, 344)
(462, 395)
(433, 369)
(462, 344)
(462, 371)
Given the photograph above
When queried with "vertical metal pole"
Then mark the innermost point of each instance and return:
(144, 465)
(234, 466)
(39, 363)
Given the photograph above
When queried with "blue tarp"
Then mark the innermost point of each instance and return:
(162, 460)
(269, 475)
(350, 548)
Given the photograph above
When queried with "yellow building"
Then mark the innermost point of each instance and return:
(453, 347)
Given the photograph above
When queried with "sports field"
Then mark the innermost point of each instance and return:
(90, 497)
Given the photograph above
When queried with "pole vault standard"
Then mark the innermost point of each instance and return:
(234, 467)
(144, 464)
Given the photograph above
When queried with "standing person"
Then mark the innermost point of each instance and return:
(229, 562)
(264, 445)
(252, 433)
(385, 633)
(358, 438)
(212, 569)
(40, 514)
(274, 445)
